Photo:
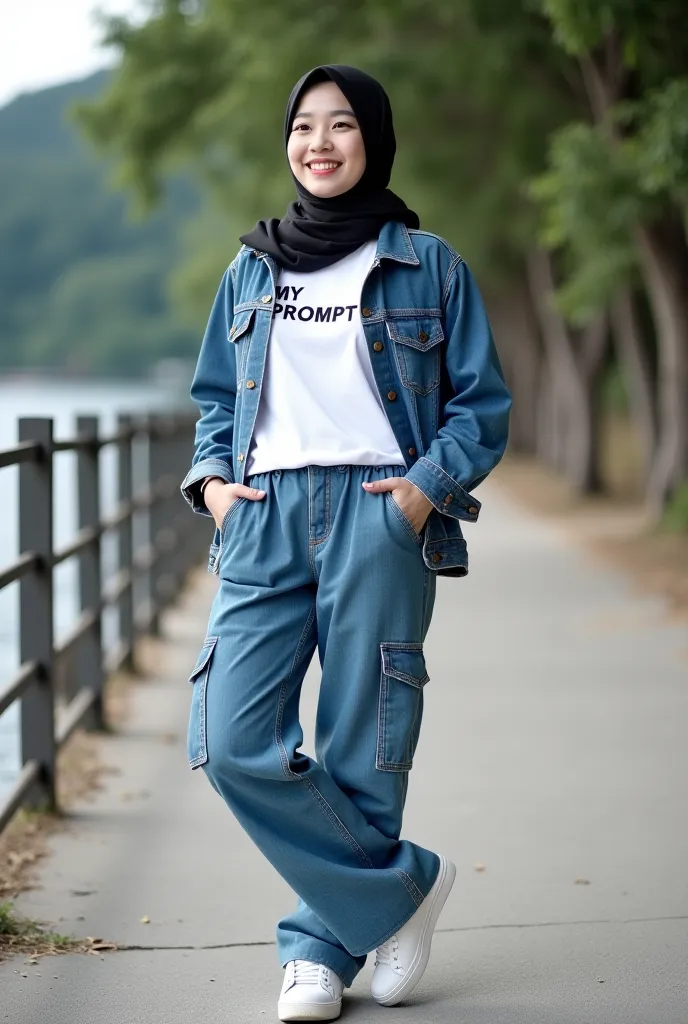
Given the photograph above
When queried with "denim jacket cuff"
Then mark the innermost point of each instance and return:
(445, 493)
(192, 483)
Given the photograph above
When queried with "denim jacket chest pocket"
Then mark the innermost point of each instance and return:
(417, 345)
(240, 335)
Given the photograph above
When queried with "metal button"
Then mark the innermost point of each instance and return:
(412, 451)
(437, 557)
(423, 336)
(232, 329)
(472, 510)
(266, 298)
(250, 384)
(392, 396)
(240, 456)
(448, 499)
(378, 346)
(366, 312)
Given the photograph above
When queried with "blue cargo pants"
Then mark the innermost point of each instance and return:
(320, 562)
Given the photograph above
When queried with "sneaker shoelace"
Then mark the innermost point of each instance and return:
(388, 953)
(306, 972)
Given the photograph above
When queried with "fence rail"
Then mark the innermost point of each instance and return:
(76, 669)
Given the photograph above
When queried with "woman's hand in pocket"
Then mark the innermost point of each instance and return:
(219, 496)
(408, 497)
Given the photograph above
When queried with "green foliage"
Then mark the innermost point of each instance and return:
(676, 515)
(9, 924)
(607, 177)
(82, 285)
(580, 25)
(590, 202)
(663, 142)
(614, 391)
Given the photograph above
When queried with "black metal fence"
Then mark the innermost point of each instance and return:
(157, 541)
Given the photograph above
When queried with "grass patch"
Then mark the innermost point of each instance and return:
(20, 935)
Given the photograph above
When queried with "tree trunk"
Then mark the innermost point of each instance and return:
(664, 256)
(516, 333)
(664, 259)
(573, 404)
(632, 353)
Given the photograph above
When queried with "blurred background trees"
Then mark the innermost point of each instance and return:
(546, 139)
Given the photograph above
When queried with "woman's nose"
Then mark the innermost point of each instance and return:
(318, 143)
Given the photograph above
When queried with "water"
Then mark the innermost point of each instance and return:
(63, 401)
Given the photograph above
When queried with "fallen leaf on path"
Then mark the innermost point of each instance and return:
(581, 881)
(16, 860)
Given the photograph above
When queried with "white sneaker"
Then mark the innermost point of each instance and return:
(400, 962)
(310, 992)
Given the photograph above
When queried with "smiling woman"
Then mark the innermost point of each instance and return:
(335, 114)
(350, 397)
(325, 149)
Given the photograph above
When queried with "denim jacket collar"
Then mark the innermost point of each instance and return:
(394, 243)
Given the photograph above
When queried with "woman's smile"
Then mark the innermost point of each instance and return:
(321, 167)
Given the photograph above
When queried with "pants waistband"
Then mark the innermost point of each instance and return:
(393, 470)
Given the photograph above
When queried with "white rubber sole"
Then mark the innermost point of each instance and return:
(443, 883)
(309, 1011)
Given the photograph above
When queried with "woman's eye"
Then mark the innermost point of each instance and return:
(298, 127)
(342, 124)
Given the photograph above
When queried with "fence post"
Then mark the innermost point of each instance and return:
(174, 568)
(194, 538)
(125, 543)
(90, 661)
(155, 517)
(36, 610)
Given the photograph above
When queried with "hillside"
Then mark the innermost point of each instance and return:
(82, 286)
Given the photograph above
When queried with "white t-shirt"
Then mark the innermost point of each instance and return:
(319, 404)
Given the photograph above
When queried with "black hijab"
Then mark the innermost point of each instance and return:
(316, 232)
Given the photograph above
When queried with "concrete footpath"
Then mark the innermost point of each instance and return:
(552, 768)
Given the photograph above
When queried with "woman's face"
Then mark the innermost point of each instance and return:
(325, 147)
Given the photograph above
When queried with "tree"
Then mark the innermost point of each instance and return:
(626, 211)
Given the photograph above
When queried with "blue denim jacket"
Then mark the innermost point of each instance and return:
(434, 363)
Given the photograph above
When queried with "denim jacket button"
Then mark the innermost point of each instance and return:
(448, 500)
(366, 312)
(266, 298)
(240, 457)
(250, 384)
(412, 451)
(378, 346)
(392, 395)
(472, 510)
(437, 557)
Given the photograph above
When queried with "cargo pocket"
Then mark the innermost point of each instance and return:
(197, 744)
(400, 708)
